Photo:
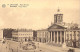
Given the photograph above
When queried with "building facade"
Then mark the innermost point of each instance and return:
(72, 37)
(7, 33)
(22, 35)
(43, 36)
(56, 30)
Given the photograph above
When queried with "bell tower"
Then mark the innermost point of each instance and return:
(58, 18)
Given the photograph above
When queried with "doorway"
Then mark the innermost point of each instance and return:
(74, 44)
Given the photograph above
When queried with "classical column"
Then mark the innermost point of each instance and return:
(51, 36)
(69, 35)
(64, 43)
(72, 35)
(57, 37)
(76, 35)
(64, 35)
(60, 37)
(54, 37)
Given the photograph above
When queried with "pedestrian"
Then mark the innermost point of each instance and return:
(6, 46)
(12, 50)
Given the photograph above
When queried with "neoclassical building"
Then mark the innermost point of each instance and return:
(60, 33)
(22, 35)
(73, 37)
(43, 36)
(57, 31)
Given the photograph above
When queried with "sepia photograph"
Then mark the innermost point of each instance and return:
(39, 25)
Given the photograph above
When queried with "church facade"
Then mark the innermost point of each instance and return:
(60, 34)
(57, 34)
(57, 31)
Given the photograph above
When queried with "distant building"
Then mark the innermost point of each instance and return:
(1, 34)
(7, 33)
(43, 36)
(22, 35)
(34, 35)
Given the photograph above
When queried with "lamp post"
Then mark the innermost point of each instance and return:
(17, 49)
(38, 45)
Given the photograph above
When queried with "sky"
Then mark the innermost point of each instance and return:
(39, 14)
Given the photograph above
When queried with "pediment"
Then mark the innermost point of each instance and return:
(55, 26)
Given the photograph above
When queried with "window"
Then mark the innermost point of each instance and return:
(70, 34)
(77, 34)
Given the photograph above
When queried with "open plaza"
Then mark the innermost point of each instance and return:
(12, 46)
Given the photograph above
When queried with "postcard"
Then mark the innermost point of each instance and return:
(39, 25)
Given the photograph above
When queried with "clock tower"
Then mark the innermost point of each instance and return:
(58, 18)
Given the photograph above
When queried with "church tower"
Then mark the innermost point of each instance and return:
(58, 18)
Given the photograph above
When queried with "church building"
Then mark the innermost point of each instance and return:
(57, 31)
(60, 33)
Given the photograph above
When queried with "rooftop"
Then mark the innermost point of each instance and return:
(22, 30)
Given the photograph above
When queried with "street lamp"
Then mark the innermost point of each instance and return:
(17, 49)
(38, 45)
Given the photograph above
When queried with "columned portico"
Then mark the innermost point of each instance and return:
(58, 37)
(57, 34)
